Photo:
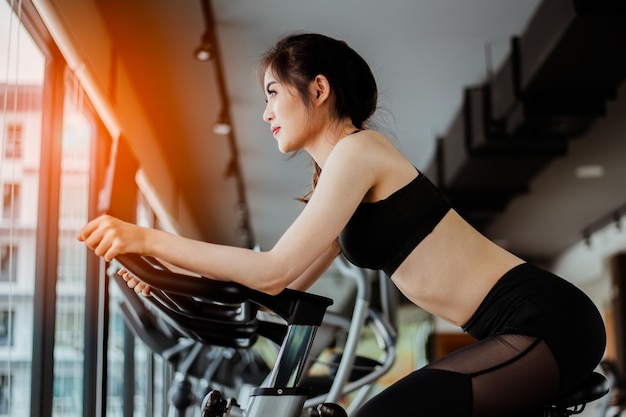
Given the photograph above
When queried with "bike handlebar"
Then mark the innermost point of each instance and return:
(295, 307)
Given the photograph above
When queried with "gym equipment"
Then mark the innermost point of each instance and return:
(196, 315)
(592, 388)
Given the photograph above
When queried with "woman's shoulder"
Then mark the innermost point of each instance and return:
(360, 146)
(371, 143)
(364, 140)
(368, 150)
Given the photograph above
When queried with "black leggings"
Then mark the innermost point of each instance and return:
(538, 336)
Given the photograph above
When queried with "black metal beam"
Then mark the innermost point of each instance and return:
(46, 258)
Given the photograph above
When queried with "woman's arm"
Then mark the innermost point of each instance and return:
(302, 283)
(347, 176)
(317, 268)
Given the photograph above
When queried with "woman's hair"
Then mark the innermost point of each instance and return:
(297, 59)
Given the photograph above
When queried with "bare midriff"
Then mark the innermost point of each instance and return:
(451, 271)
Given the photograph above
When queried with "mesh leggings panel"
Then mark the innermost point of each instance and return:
(504, 375)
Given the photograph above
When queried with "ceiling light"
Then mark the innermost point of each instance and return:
(222, 125)
(204, 52)
(221, 128)
(586, 172)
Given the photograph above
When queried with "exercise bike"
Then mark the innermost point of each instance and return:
(215, 313)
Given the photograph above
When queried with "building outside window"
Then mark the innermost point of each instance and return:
(8, 262)
(21, 87)
(13, 143)
(5, 394)
(6, 327)
(10, 201)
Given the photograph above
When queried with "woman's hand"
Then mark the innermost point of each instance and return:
(109, 237)
(140, 287)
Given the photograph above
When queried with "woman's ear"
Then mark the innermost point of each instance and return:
(320, 89)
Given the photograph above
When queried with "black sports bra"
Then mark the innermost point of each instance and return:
(382, 234)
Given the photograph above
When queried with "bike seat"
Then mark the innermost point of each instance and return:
(592, 388)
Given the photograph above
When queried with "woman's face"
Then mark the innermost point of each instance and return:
(286, 114)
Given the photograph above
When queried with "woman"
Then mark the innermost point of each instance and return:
(372, 204)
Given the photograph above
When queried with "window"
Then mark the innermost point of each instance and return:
(13, 145)
(6, 328)
(8, 263)
(77, 137)
(22, 126)
(67, 390)
(10, 201)
(5, 393)
(68, 335)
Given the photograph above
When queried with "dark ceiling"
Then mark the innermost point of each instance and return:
(554, 87)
